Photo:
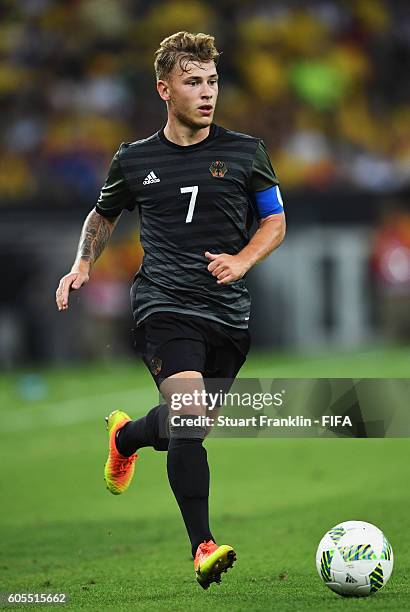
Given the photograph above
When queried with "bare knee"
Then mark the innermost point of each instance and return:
(184, 393)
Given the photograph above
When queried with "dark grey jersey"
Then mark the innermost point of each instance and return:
(191, 199)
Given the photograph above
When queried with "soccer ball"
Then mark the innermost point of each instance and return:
(354, 559)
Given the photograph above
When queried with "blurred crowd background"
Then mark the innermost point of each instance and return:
(324, 83)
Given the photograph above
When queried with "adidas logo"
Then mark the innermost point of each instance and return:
(350, 579)
(151, 178)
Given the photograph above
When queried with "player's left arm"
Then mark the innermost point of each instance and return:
(267, 238)
(269, 208)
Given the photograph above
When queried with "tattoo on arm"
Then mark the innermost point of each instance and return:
(95, 235)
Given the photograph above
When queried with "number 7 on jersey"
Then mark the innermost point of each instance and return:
(194, 192)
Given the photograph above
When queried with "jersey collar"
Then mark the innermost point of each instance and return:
(212, 134)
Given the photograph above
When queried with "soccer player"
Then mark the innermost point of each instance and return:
(196, 186)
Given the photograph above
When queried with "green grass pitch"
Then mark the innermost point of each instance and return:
(272, 499)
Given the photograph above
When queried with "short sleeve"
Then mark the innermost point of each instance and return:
(115, 195)
(262, 174)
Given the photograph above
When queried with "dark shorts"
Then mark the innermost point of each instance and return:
(170, 343)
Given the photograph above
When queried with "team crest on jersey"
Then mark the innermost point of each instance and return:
(218, 169)
(156, 365)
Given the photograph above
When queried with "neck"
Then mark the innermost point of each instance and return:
(184, 135)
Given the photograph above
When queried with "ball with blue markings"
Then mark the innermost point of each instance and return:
(355, 559)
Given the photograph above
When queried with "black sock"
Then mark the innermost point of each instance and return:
(150, 430)
(188, 475)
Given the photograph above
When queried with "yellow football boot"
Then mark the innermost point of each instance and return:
(211, 560)
(119, 470)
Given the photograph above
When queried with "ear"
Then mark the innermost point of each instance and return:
(163, 90)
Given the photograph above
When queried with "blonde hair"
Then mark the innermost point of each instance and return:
(182, 48)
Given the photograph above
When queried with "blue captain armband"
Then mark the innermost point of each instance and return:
(268, 202)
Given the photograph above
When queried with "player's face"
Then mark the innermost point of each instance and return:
(193, 93)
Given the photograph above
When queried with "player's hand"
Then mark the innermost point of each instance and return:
(226, 268)
(69, 282)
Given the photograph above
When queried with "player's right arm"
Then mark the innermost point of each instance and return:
(94, 238)
(97, 229)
